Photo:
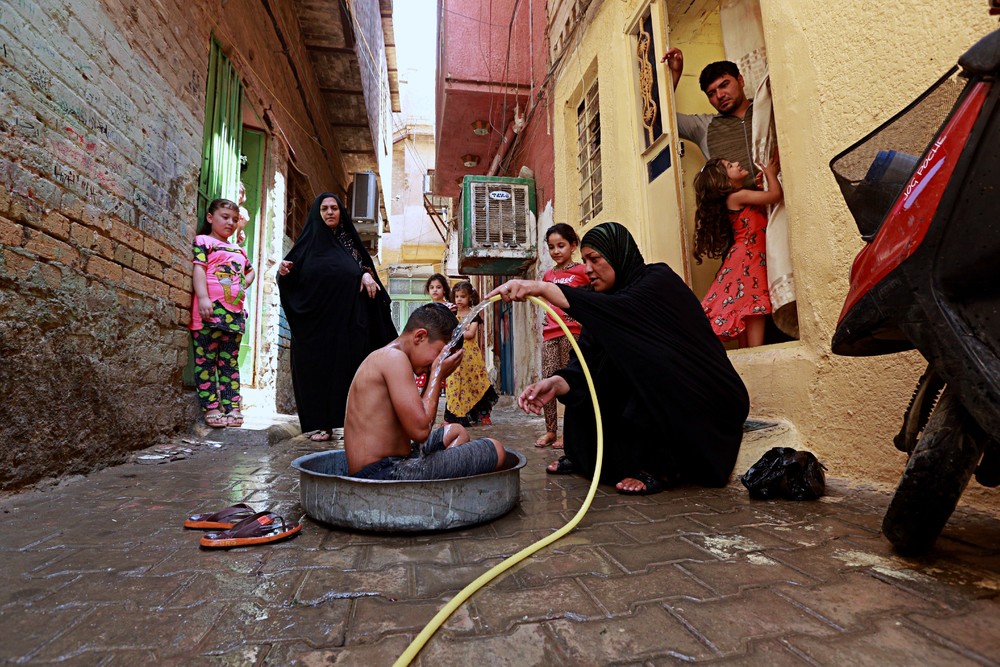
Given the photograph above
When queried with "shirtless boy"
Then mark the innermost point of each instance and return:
(386, 416)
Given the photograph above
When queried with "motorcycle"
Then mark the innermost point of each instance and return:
(924, 190)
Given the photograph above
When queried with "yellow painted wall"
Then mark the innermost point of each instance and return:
(604, 44)
(837, 70)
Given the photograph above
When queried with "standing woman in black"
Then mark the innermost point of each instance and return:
(337, 310)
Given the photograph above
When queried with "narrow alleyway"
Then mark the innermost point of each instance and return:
(99, 571)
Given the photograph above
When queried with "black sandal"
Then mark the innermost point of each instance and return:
(563, 466)
(652, 483)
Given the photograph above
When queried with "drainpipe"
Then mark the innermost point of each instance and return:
(513, 128)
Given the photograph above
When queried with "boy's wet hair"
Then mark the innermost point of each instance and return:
(466, 286)
(563, 230)
(436, 318)
(717, 70)
(441, 279)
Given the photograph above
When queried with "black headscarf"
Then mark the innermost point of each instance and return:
(616, 245)
(334, 323)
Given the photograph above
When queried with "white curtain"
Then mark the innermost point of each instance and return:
(780, 279)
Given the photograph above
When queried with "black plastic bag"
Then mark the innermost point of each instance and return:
(784, 472)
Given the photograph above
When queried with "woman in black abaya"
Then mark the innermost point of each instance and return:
(672, 404)
(337, 310)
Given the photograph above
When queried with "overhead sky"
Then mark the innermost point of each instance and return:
(414, 24)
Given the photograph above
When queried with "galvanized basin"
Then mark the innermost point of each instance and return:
(329, 495)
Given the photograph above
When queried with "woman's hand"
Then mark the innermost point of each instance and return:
(537, 395)
(284, 268)
(520, 290)
(368, 284)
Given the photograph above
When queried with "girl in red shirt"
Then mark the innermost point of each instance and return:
(563, 242)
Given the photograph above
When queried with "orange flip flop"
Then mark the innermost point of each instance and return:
(261, 528)
(221, 520)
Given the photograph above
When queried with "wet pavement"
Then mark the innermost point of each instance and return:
(99, 571)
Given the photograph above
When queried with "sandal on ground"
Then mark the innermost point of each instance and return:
(558, 444)
(561, 467)
(652, 483)
(545, 440)
(223, 519)
(234, 419)
(259, 528)
(216, 420)
(320, 436)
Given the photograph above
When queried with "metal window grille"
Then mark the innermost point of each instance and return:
(588, 128)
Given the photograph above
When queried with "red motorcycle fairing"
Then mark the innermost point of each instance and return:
(907, 222)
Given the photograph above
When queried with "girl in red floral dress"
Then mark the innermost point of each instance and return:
(730, 223)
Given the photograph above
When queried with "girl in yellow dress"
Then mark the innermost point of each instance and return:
(470, 394)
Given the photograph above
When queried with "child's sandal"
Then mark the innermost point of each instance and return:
(235, 419)
(216, 420)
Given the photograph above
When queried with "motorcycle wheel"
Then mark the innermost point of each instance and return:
(935, 477)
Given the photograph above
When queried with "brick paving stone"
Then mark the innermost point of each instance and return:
(619, 595)
(762, 653)
(887, 642)
(372, 619)
(432, 581)
(26, 632)
(390, 582)
(383, 652)
(499, 611)
(742, 572)
(109, 588)
(652, 531)
(549, 565)
(526, 645)
(729, 623)
(378, 556)
(642, 556)
(649, 631)
(108, 628)
(852, 601)
(977, 630)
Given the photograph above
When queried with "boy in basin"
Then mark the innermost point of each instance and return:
(387, 430)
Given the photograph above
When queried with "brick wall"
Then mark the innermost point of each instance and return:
(101, 114)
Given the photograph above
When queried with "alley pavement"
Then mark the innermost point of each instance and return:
(98, 570)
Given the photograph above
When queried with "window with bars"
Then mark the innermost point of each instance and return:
(588, 128)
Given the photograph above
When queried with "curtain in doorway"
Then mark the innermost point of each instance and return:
(780, 279)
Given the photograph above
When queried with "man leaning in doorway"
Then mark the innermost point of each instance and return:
(728, 134)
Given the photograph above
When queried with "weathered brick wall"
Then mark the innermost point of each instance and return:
(101, 114)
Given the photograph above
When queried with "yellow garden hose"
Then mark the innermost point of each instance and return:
(418, 642)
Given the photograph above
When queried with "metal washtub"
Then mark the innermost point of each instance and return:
(327, 494)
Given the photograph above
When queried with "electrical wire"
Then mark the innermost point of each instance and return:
(435, 623)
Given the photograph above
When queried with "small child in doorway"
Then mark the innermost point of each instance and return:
(387, 430)
(221, 276)
(563, 242)
(731, 222)
(470, 393)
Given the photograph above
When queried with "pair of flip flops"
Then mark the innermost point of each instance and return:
(241, 526)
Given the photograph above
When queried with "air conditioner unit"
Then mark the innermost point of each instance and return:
(364, 197)
(498, 225)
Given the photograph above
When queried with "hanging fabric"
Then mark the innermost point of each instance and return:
(780, 279)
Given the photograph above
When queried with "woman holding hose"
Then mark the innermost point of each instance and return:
(672, 404)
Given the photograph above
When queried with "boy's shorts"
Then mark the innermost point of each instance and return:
(471, 458)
